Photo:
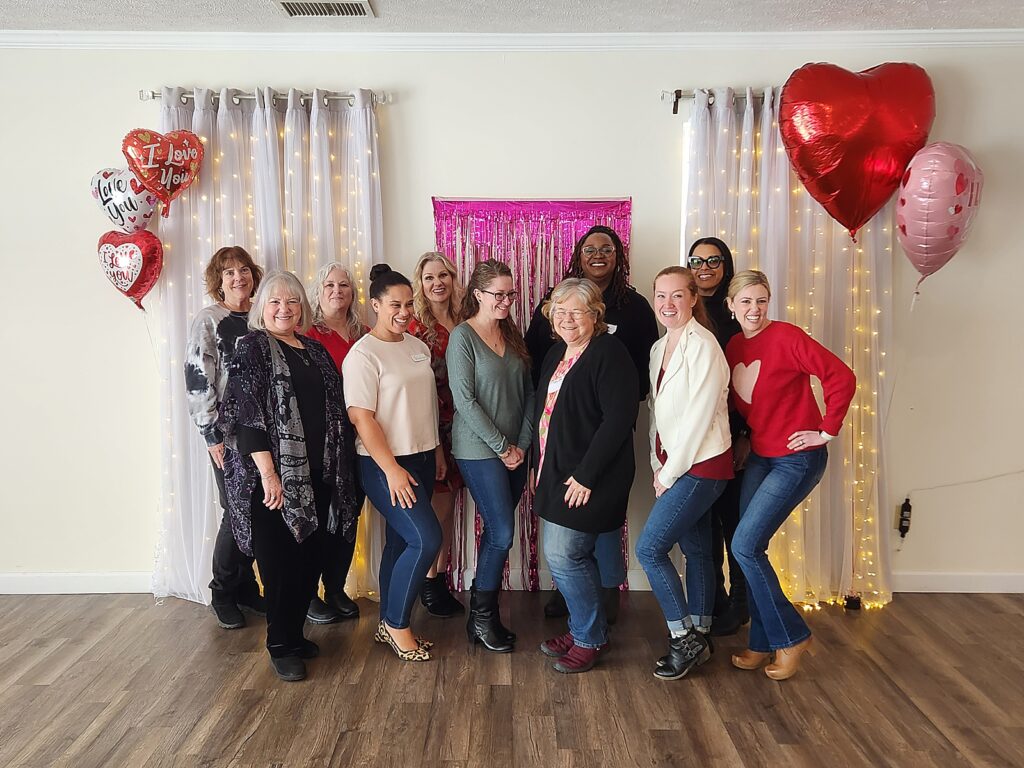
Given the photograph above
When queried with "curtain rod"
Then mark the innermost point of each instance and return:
(679, 95)
(378, 98)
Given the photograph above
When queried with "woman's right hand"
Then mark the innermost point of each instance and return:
(400, 485)
(273, 493)
(513, 458)
(217, 453)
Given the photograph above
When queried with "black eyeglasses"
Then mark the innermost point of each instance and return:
(712, 261)
(501, 296)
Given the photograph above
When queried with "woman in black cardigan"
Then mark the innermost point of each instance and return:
(583, 462)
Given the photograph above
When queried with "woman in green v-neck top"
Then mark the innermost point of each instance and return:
(489, 375)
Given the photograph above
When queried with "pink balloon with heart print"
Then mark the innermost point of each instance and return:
(938, 199)
(120, 195)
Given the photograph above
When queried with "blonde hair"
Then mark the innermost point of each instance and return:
(585, 289)
(270, 281)
(316, 290)
(746, 279)
(421, 304)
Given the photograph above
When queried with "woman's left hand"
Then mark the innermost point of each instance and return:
(805, 440)
(658, 487)
(577, 495)
(440, 465)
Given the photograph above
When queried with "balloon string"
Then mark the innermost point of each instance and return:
(917, 292)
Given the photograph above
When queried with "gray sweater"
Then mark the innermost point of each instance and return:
(493, 397)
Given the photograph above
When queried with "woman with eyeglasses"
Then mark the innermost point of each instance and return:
(489, 374)
(583, 460)
(711, 262)
(437, 298)
(600, 257)
(772, 363)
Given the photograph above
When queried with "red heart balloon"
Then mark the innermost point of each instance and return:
(849, 135)
(132, 263)
(165, 164)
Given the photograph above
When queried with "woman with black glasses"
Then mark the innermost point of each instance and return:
(600, 257)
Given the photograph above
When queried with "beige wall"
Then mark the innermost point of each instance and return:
(80, 444)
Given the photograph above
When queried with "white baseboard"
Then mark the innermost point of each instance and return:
(927, 581)
(75, 583)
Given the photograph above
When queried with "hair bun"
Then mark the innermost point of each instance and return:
(377, 270)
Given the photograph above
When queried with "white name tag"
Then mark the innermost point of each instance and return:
(612, 328)
(419, 357)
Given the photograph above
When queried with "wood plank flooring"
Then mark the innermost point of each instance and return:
(117, 680)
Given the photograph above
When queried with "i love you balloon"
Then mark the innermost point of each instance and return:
(131, 262)
(849, 135)
(121, 196)
(939, 196)
(165, 164)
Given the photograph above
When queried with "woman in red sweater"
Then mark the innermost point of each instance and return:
(772, 363)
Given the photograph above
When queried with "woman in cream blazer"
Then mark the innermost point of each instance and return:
(691, 454)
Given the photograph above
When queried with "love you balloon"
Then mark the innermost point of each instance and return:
(849, 135)
(165, 164)
(939, 196)
(120, 194)
(131, 262)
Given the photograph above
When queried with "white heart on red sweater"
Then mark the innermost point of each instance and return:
(121, 264)
(744, 379)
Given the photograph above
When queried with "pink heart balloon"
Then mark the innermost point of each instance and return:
(938, 198)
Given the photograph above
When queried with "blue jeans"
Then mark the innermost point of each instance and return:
(772, 488)
(570, 555)
(496, 491)
(412, 539)
(682, 514)
(610, 561)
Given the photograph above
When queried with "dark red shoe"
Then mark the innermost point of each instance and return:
(557, 647)
(578, 659)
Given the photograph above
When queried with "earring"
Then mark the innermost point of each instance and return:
(732, 315)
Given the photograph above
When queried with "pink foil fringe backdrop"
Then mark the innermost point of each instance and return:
(535, 238)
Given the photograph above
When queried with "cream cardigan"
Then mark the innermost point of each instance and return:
(690, 411)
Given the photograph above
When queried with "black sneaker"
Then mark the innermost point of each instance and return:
(250, 600)
(228, 615)
(289, 668)
(320, 612)
(346, 607)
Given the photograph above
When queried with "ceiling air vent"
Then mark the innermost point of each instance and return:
(328, 10)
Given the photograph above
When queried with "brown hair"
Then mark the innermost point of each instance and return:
(485, 273)
(699, 311)
(586, 289)
(218, 263)
(421, 305)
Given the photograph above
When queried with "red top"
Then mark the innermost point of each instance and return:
(771, 386)
(716, 468)
(445, 404)
(337, 347)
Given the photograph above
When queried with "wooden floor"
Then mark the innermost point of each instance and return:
(116, 680)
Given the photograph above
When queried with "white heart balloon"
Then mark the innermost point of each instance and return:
(121, 264)
(121, 196)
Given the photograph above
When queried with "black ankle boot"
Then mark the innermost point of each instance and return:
(555, 608)
(437, 599)
(484, 625)
(611, 604)
(684, 653)
(734, 617)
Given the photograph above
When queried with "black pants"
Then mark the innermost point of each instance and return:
(232, 569)
(334, 555)
(289, 570)
(725, 516)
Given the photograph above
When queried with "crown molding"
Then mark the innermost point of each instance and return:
(447, 43)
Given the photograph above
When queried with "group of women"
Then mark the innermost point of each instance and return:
(310, 410)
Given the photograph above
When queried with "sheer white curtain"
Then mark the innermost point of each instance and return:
(264, 166)
(741, 189)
